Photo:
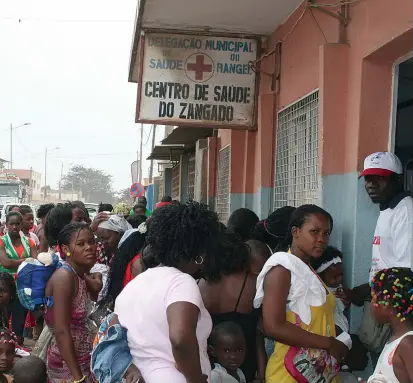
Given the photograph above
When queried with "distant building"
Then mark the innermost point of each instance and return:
(2, 162)
(31, 179)
(65, 195)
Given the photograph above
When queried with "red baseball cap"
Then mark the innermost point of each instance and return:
(382, 164)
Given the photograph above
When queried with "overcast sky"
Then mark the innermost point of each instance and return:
(64, 69)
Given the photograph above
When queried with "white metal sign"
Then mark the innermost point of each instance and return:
(197, 80)
(134, 171)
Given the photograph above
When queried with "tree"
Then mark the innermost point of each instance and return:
(124, 196)
(48, 189)
(95, 185)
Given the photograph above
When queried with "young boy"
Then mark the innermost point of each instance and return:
(28, 223)
(227, 350)
(8, 342)
(29, 369)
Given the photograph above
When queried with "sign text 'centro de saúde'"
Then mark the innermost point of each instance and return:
(197, 80)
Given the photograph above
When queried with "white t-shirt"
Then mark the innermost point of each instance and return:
(220, 375)
(393, 238)
(141, 309)
(104, 270)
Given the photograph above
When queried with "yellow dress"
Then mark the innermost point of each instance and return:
(322, 323)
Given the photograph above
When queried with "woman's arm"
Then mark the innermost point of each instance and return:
(8, 263)
(63, 289)
(405, 352)
(33, 250)
(182, 320)
(276, 289)
(94, 284)
(359, 294)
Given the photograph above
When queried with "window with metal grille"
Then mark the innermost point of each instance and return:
(161, 189)
(222, 202)
(191, 177)
(296, 166)
(158, 189)
(175, 182)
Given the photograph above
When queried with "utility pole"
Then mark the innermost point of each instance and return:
(45, 170)
(140, 156)
(45, 174)
(60, 183)
(153, 145)
(137, 166)
(11, 140)
(11, 146)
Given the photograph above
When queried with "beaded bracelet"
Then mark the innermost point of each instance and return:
(80, 380)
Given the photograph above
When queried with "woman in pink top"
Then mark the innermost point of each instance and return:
(162, 308)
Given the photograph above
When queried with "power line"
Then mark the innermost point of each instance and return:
(23, 146)
(149, 135)
(64, 20)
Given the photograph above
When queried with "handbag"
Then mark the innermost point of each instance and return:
(310, 365)
(374, 336)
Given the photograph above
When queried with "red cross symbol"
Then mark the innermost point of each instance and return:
(199, 67)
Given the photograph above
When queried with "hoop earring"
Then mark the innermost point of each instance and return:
(199, 260)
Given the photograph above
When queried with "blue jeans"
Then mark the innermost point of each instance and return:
(269, 347)
(111, 357)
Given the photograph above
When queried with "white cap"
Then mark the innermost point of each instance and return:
(382, 164)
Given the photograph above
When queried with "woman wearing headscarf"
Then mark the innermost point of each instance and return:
(122, 209)
(110, 233)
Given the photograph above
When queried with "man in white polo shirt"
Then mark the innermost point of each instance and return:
(393, 237)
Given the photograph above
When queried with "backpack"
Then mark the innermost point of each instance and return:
(32, 278)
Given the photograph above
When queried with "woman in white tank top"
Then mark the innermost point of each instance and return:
(392, 302)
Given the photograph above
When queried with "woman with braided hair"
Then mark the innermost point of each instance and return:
(68, 357)
(273, 230)
(297, 308)
(8, 344)
(392, 302)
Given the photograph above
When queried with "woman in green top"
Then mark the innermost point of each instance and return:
(15, 247)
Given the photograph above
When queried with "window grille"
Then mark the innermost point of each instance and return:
(191, 177)
(222, 202)
(296, 167)
(175, 182)
(158, 189)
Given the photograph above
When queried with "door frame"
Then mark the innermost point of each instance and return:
(393, 107)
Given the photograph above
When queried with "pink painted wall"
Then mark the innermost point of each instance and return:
(351, 67)
(354, 78)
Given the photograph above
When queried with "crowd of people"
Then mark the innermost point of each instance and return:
(175, 295)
